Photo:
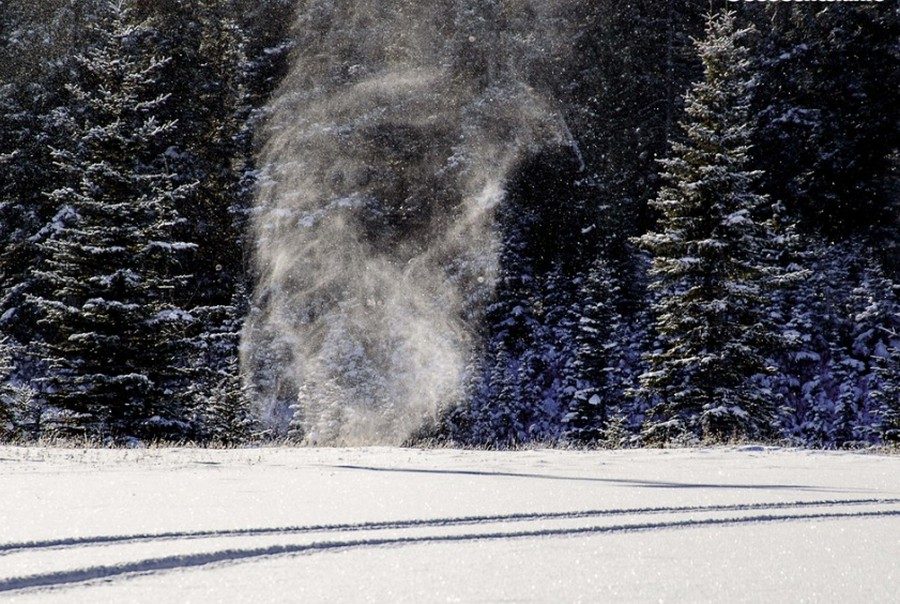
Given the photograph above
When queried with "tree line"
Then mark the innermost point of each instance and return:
(727, 269)
(127, 177)
(719, 264)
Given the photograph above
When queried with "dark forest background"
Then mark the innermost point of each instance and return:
(743, 289)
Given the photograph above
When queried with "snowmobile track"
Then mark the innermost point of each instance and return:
(90, 574)
(8, 548)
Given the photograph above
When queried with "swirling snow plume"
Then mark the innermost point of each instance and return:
(387, 149)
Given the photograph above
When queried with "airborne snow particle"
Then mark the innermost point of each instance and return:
(401, 160)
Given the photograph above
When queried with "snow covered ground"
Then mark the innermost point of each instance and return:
(398, 525)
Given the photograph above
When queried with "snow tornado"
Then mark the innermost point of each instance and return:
(387, 148)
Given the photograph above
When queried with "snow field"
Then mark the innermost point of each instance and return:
(404, 525)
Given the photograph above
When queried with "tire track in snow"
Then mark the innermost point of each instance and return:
(8, 548)
(181, 562)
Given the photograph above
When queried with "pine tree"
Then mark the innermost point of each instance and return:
(111, 267)
(320, 411)
(884, 393)
(807, 313)
(616, 433)
(227, 415)
(206, 79)
(710, 261)
(17, 220)
(595, 320)
(213, 383)
(225, 195)
(503, 413)
(27, 129)
(547, 364)
(21, 413)
(210, 146)
(7, 416)
(837, 325)
(876, 343)
(297, 428)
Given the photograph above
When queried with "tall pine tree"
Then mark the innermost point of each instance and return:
(112, 266)
(710, 261)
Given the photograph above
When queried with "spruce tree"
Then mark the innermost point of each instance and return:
(547, 363)
(112, 265)
(297, 427)
(213, 382)
(876, 343)
(210, 146)
(26, 216)
(227, 416)
(710, 261)
(6, 390)
(206, 79)
(17, 219)
(502, 411)
(884, 392)
(595, 320)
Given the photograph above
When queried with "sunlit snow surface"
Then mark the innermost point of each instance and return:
(395, 525)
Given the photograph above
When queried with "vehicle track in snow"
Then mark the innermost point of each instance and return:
(7, 548)
(798, 511)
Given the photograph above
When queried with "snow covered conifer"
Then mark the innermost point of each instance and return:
(227, 415)
(503, 412)
(215, 389)
(710, 261)
(296, 428)
(885, 392)
(6, 390)
(25, 216)
(112, 266)
(209, 145)
(209, 78)
(877, 342)
(593, 326)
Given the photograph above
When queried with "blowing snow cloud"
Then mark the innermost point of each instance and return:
(388, 147)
